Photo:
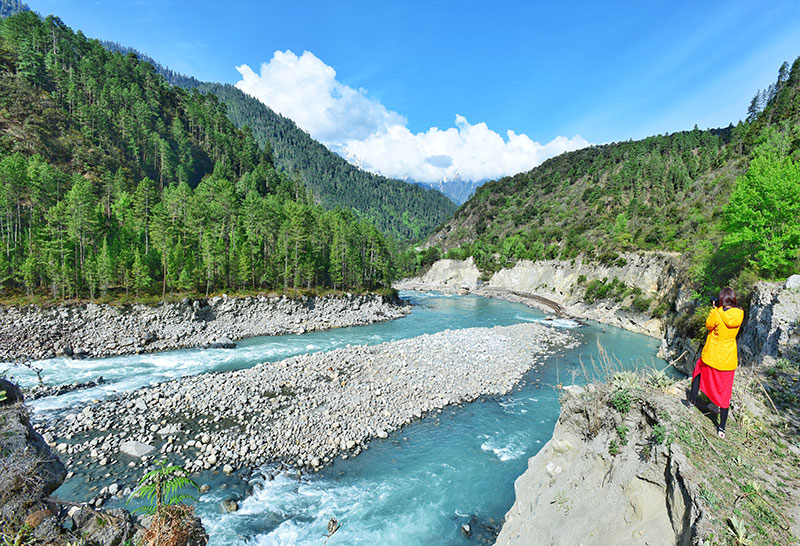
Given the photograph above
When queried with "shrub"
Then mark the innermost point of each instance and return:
(162, 486)
(659, 434)
(640, 304)
(621, 400)
(604, 289)
(660, 310)
(622, 432)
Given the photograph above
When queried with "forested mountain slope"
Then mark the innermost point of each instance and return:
(111, 179)
(405, 210)
(666, 192)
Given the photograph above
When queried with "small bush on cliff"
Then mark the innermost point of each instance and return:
(640, 304)
(621, 400)
(597, 289)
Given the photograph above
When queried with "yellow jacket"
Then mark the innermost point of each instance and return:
(720, 350)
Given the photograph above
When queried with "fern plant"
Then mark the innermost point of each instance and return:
(162, 487)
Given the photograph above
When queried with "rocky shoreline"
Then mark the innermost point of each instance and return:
(303, 411)
(93, 330)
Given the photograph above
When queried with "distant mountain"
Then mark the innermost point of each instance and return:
(457, 190)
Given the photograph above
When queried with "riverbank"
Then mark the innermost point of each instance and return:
(93, 330)
(304, 410)
(645, 285)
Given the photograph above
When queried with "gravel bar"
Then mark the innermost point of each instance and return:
(303, 410)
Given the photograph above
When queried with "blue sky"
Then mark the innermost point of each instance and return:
(431, 89)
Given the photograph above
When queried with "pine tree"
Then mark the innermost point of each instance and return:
(140, 274)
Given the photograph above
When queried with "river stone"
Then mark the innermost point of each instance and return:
(135, 449)
(13, 393)
(169, 429)
(793, 282)
(230, 505)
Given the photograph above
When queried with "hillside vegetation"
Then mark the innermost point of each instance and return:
(113, 180)
(727, 198)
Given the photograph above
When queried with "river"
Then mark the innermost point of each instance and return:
(417, 487)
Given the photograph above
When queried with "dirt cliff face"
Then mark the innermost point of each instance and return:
(646, 277)
(606, 478)
(646, 284)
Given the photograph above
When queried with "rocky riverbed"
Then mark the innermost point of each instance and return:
(302, 411)
(93, 330)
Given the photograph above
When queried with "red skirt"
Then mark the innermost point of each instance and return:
(716, 384)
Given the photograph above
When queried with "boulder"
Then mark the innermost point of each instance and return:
(35, 470)
(229, 505)
(223, 342)
(13, 393)
(108, 528)
(169, 429)
(792, 282)
(133, 448)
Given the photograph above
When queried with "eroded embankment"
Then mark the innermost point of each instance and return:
(646, 283)
(302, 410)
(93, 330)
(592, 484)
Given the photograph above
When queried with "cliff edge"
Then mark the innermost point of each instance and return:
(629, 464)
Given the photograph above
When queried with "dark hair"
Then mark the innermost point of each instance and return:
(727, 298)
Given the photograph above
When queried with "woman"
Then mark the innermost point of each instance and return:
(713, 373)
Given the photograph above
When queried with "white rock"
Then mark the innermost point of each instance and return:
(792, 282)
(169, 429)
(135, 449)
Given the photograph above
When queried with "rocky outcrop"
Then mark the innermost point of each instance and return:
(29, 470)
(772, 330)
(579, 491)
(446, 276)
(92, 330)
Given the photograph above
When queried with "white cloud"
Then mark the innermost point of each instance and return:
(364, 131)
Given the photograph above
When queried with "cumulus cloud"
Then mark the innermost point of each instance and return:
(365, 132)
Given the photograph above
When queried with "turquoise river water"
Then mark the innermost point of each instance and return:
(415, 488)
